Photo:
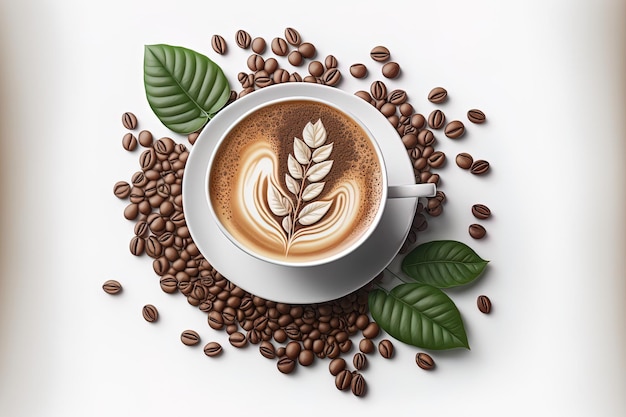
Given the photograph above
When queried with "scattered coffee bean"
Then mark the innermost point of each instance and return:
(137, 245)
(267, 349)
(464, 160)
(425, 138)
(271, 65)
(418, 121)
(479, 167)
(286, 365)
(484, 304)
(378, 90)
(476, 116)
(280, 47)
(454, 129)
(169, 284)
(385, 348)
(306, 357)
(331, 77)
(437, 159)
(336, 365)
(129, 142)
(481, 211)
(121, 189)
(391, 70)
(424, 361)
(397, 97)
(258, 45)
(293, 37)
(218, 44)
(436, 119)
(212, 349)
(243, 39)
(409, 141)
(112, 287)
(379, 54)
(364, 95)
(366, 345)
(190, 337)
(129, 121)
(238, 339)
(371, 331)
(437, 95)
(359, 360)
(477, 231)
(145, 138)
(343, 379)
(150, 313)
(307, 49)
(358, 384)
(316, 68)
(295, 58)
(358, 70)
(330, 62)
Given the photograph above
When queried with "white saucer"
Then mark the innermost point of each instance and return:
(299, 285)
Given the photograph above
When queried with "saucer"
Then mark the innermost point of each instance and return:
(289, 284)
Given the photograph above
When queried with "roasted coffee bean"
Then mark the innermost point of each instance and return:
(169, 284)
(388, 109)
(358, 384)
(397, 97)
(316, 68)
(425, 137)
(391, 70)
(293, 37)
(216, 321)
(385, 348)
(137, 195)
(121, 189)
(366, 345)
(477, 231)
(192, 137)
(440, 195)
(406, 109)
(150, 313)
(343, 379)
(378, 90)
(267, 349)
(424, 361)
(464, 160)
(137, 245)
(481, 211)
(476, 116)
(139, 179)
(484, 304)
(306, 357)
(255, 63)
(131, 211)
(359, 360)
(336, 365)
(371, 330)
(218, 44)
(295, 58)
(258, 45)
(243, 39)
(129, 120)
(160, 265)
(420, 163)
(307, 49)
(238, 339)
(279, 47)
(286, 365)
(436, 119)
(409, 141)
(437, 159)
(190, 337)
(358, 70)
(364, 95)
(437, 95)
(331, 77)
(112, 286)
(379, 53)
(153, 247)
(479, 167)
(147, 159)
(212, 349)
(454, 129)
(418, 121)
(292, 349)
(330, 62)
(295, 77)
(262, 79)
(129, 142)
(145, 138)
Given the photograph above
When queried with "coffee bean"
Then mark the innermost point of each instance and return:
(190, 337)
(366, 345)
(359, 360)
(397, 97)
(464, 160)
(147, 159)
(295, 58)
(242, 39)
(358, 385)
(476, 116)
(150, 313)
(479, 167)
(293, 37)
(137, 245)
(129, 142)
(437, 95)
(306, 357)
(424, 361)
(391, 70)
(258, 45)
(409, 141)
(454, 129)
(343, 379)
(307, 49)
(192, 137)
(145, 138)
(295, 77)
(379, 53)
(437, 159)
(418, 121)
(292, 350)
(169, 284)
(139, 179)
(331, 77)
(112, 286)
(121, 189)
(364, 95)
(484, 304)
(477, 231)
(286, 365)
(385, 348)
(267, 350)
(371, 330)
(330, 62)
(262, 79)
(388, 109)
(436, 119)
(218, 44)
(481, 211)
(358, 70)
(336, 365)
(212, 349)
(153, 247)
(255, 62)
(129, 120)
(316, 68)
(378, 90)
(216, 321)
(238, 339)
(406, 109)
(280, 47)
(131, 211)
(425, 138)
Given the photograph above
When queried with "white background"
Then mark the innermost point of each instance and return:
(548, 74)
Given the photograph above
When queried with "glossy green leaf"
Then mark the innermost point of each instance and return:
(420, 315)
(443, 263)
(184, 88)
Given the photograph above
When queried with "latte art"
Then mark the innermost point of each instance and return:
(296, 181)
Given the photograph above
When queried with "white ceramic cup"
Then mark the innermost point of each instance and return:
(387, 192)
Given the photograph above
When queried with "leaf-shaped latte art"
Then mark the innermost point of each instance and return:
(301, 151)
(287, 224)
(314, 135)
(319, 171)
(292, 185)
(313, 212)
(277, 202)
(322, 153)
(295, 169)
(312, 191)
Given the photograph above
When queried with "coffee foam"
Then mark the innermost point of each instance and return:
(267, 135)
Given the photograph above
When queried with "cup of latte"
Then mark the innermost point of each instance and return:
(300, 181)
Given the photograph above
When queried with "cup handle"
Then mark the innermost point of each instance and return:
(411, 190)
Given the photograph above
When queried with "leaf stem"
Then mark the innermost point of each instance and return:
(396, 275)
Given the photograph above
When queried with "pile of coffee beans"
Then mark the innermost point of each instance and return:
(290, 334)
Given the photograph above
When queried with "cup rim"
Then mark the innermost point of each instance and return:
(324, 260)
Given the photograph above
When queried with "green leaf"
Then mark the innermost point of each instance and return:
(184, 88)
(443, 263)
(420, 315)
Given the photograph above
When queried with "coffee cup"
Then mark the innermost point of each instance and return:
(300, 182)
